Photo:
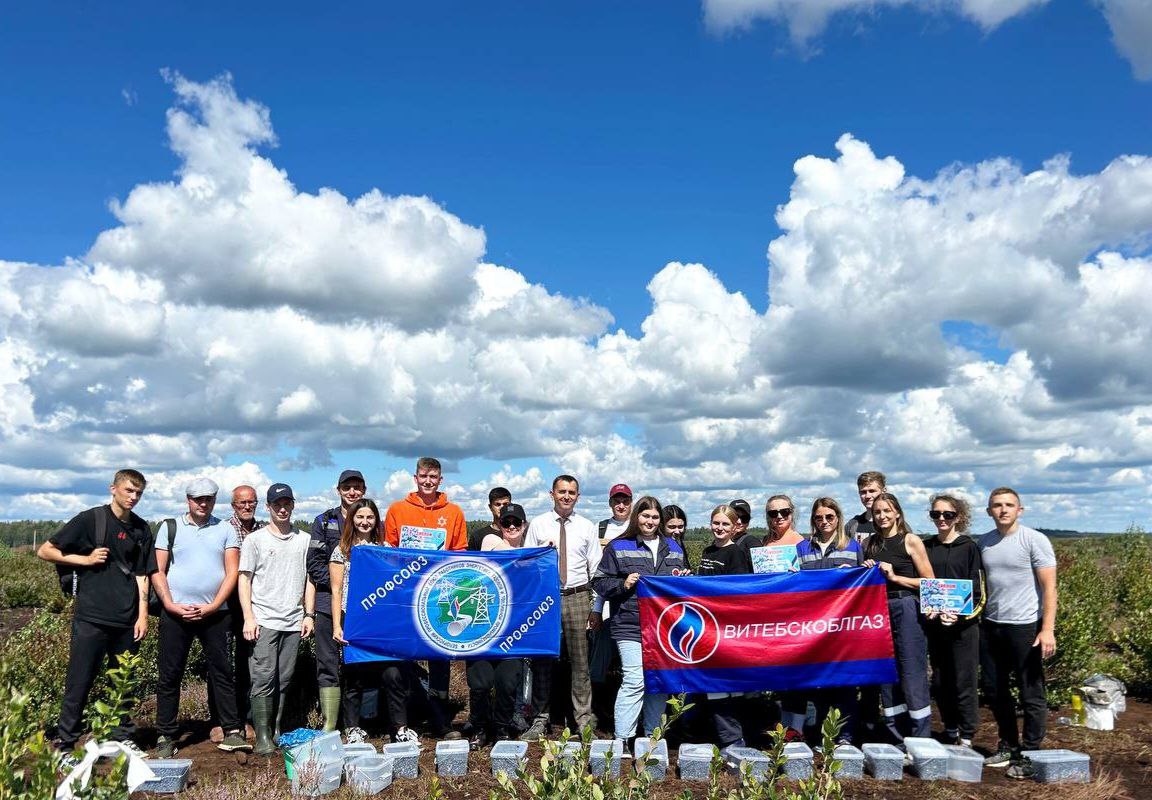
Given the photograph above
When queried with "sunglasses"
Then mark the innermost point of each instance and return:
(779, 513)
(948, 515)
(511, 523)
(824, 517)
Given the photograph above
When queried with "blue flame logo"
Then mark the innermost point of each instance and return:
(687, 632)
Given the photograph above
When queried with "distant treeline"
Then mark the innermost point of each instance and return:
(28, 532)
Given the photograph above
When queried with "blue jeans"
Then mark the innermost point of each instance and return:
(631, 696)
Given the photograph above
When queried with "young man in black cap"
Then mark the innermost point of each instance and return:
(279, 604)
(111, 550)
(498, 500)
(740, 530)
(325, 537)
(492, 720)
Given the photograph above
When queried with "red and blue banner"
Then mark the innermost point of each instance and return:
(745, 633)
(415, 604)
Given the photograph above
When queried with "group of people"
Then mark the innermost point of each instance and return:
(250, 590)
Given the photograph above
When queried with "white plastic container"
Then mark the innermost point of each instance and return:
(964, 764)
(1099, 718)
(313, 778)
(1060, 766)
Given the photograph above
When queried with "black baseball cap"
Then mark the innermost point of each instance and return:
(742, 509)
(513, 510)
(350, 475)
(279, 491)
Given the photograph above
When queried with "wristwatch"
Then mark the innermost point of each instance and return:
(310, 614)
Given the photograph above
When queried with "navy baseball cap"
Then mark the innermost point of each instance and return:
(350, 475)
(279, 491)
(513, 511)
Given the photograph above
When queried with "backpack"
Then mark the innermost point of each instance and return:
(155, 604)
(68, 575)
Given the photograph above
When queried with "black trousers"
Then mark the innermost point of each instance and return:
(502, 675)
(358, 679)
(1015, 660)
(726, 718)
(395, 680)
(90, 646)
(240, 649)
(327, 652)
(176, 637)
(954, 651)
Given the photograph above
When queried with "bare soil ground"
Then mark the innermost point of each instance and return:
(1121, 765)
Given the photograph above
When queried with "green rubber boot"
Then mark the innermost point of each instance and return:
(330, 706)
(261, 722)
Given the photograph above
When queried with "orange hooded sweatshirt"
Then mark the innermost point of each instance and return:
(414, 520)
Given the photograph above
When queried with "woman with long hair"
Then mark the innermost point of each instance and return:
(362, 527)
(643, 549)
(831, 548)
(723, 556)
(954, 642)
(675, 525)
(898, 551)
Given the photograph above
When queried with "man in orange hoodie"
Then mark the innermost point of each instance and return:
(425, 520)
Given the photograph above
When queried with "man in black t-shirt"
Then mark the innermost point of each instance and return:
(498, 500)
(111, 612)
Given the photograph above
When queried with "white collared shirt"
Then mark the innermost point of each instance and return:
(584, 552)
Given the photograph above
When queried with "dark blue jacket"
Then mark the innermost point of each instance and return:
(810, 558)
(621, 558)
(326, 530)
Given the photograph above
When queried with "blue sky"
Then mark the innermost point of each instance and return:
(593, 144)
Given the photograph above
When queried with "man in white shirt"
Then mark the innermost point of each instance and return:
(578, 546)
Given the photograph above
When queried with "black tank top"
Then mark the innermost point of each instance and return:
(894, 551)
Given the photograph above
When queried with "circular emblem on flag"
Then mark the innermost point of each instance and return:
(462, 605)
(687, 632)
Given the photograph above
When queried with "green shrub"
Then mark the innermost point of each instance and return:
(1087, 600)
(35, 658)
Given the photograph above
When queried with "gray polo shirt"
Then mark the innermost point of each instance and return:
(1014, 594)
(196, 568)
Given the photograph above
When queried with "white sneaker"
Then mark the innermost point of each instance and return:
(406, 735)
(355, 735)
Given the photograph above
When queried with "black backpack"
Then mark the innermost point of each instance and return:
(155, 604)
(69, 575)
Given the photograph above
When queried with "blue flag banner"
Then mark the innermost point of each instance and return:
(413, 604)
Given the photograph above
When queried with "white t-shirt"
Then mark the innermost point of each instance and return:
(277, 567)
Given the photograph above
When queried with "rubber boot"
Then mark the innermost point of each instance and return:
(330, 706)
(261, 712)
(283, 701)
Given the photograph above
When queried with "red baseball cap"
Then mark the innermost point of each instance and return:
(620, 488)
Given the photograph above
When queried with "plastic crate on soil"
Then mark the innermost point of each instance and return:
(851, 762)
(171, 775)
(964, 764)
(884, 762)
(929, 758)
(657, 753)
(1060, 766)
(757, 760)
(508, 756)
(452, 758)
(605, 756)
(314, 778)
(352, 751)
(695, 761)
(369, 774)
(797, 760)
(405, 758)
